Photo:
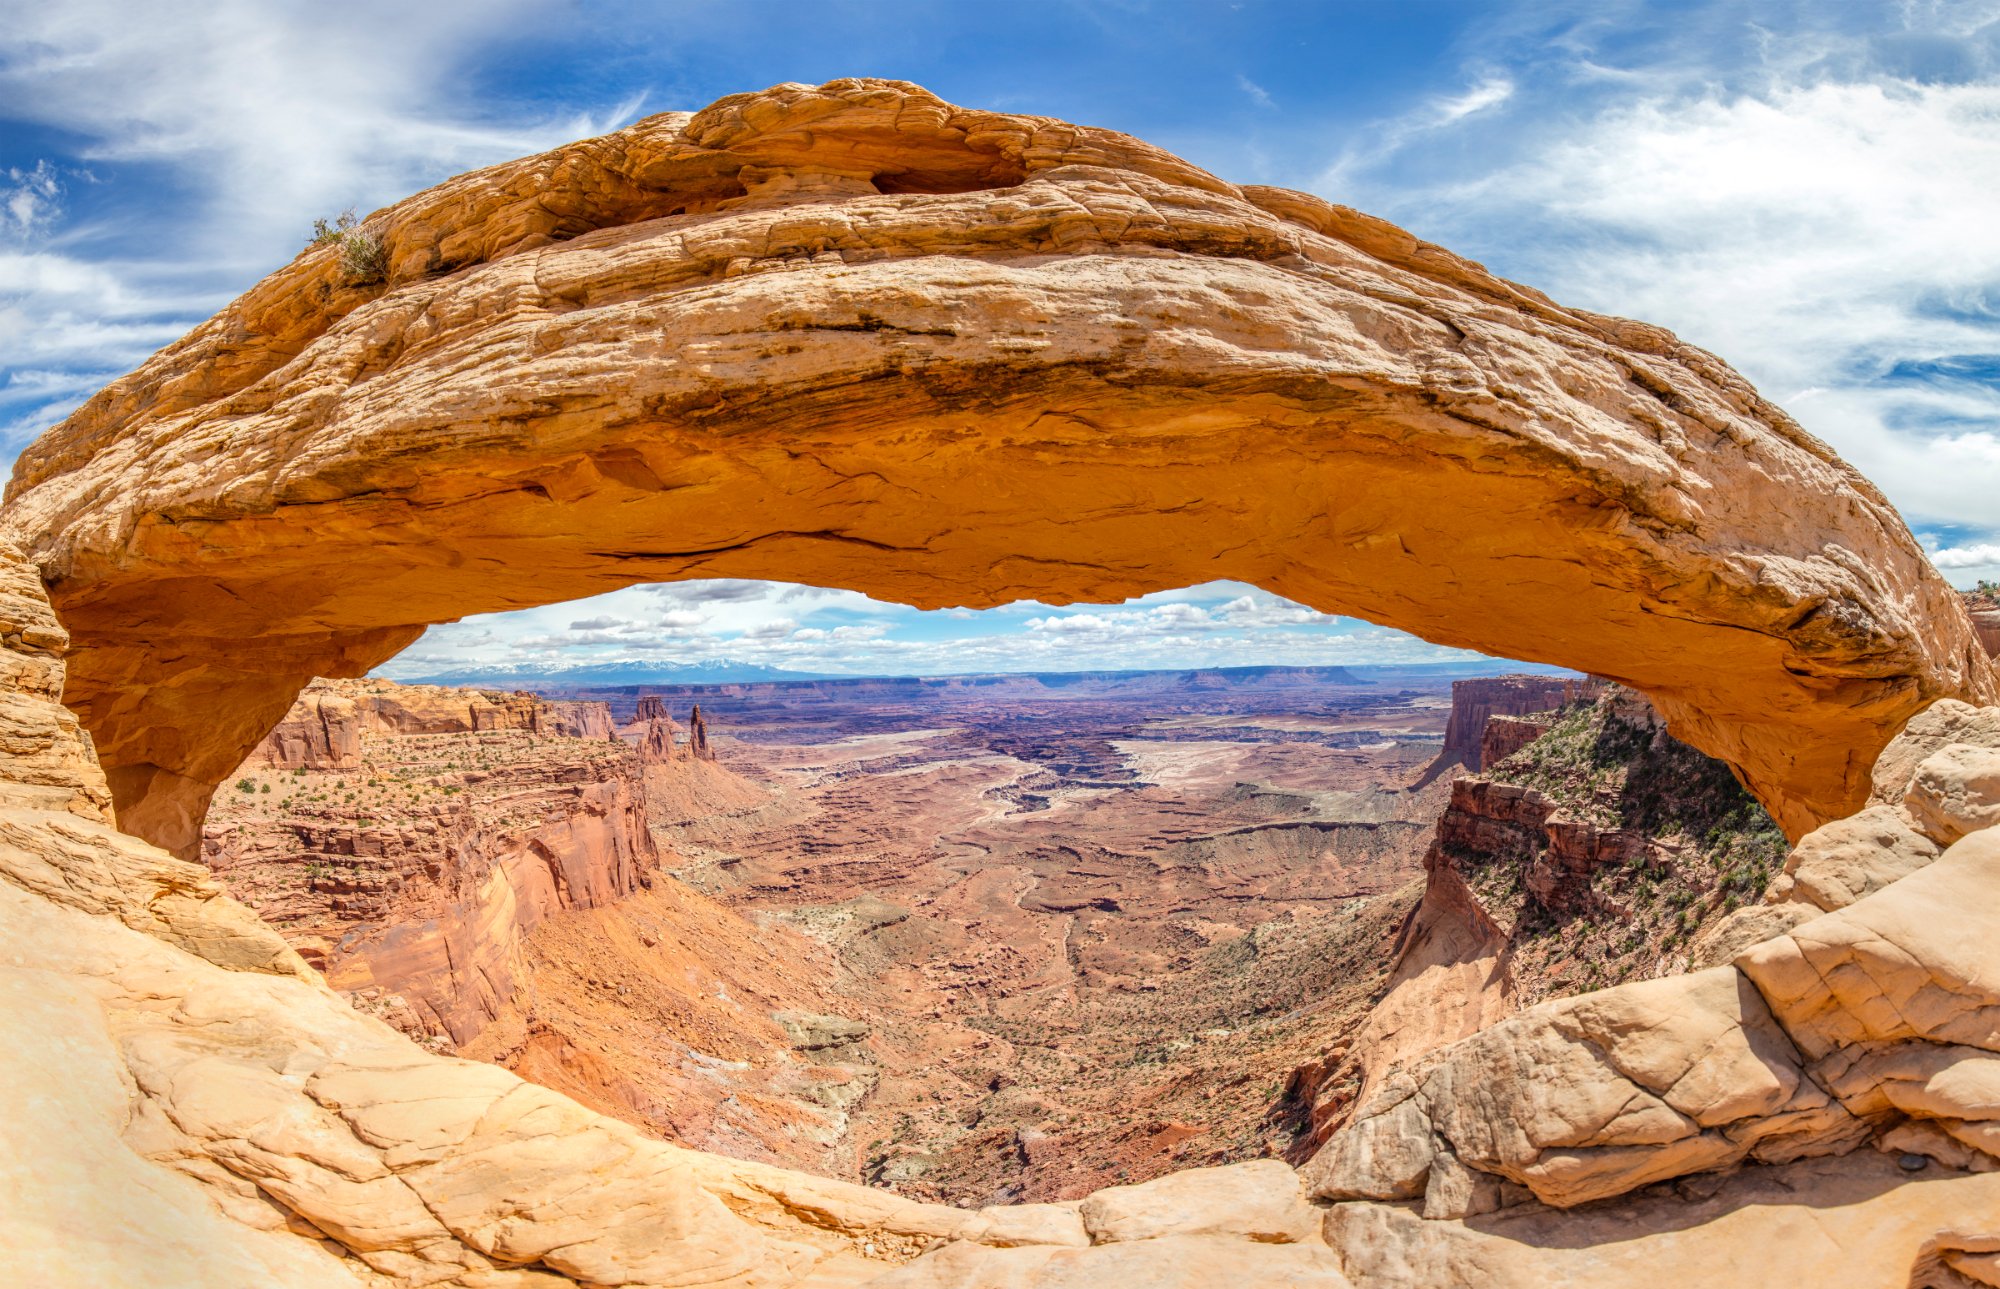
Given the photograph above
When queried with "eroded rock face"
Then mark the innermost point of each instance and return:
(1477, 703)
(1870, 1014)
(1984, 606)
(855, 336)
(408, 838)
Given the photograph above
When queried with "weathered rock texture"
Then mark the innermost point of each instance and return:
(406, 839)
(479, 871)
(1984, 606)
(325, 728)
(855, 336)
(1604, 851)
(1877, 1021)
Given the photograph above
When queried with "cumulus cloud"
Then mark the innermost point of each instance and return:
(1221, 624)
(716, 590)
(29, 199)
(1985, 555)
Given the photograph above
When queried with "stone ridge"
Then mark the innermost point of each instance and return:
(326, 728)
(855, 336)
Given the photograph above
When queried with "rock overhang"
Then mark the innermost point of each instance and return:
(854, 335)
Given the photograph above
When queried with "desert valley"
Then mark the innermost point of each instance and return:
(978, 939)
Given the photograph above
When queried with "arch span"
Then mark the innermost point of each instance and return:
(856, 336)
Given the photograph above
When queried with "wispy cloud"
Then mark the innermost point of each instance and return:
(1384, 140)
(1814, 203)
(216, 133)
(1489, 93)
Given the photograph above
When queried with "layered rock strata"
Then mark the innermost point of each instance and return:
(1873, 1023)
(1478, 702)
(855, 336)
(407, 839)
(219, 1116)
(1605, 850)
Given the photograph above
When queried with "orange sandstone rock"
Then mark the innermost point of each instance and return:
(857, 336)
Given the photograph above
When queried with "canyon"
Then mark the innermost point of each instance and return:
(981, 939)
(856, 336)
(988, 939)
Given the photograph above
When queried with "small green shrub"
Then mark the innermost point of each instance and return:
(245, 785)
(364, 260)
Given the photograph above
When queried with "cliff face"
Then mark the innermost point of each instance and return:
(1604, 847)
(1854, 1023)
(1475, 702)
(1983, 606)
(1599, 849)
(479, 870)
(408, 839)
(325, 728)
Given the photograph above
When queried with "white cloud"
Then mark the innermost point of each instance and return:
(227, 127)
(283, 112)
(1491, 92)
(1834, 240)
(717, 590)
(1219, 624)
(30, 199)
(1436, 116)
(1985, 555)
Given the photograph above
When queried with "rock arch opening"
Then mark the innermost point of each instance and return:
(1105, 374)
(1010, 936)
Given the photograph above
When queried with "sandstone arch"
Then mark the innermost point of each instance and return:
(855, 336)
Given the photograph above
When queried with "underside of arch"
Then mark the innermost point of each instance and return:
(854, 336)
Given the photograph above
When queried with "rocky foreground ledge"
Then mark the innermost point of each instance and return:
(184, 1102)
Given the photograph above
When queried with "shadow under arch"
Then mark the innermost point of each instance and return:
(855, 336)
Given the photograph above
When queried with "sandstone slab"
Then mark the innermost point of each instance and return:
(1261, 1200)
(1849, 859)
(1954, 792)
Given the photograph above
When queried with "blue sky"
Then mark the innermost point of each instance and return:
(1807, 188)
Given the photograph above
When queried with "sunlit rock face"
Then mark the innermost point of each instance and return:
(855, 336)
